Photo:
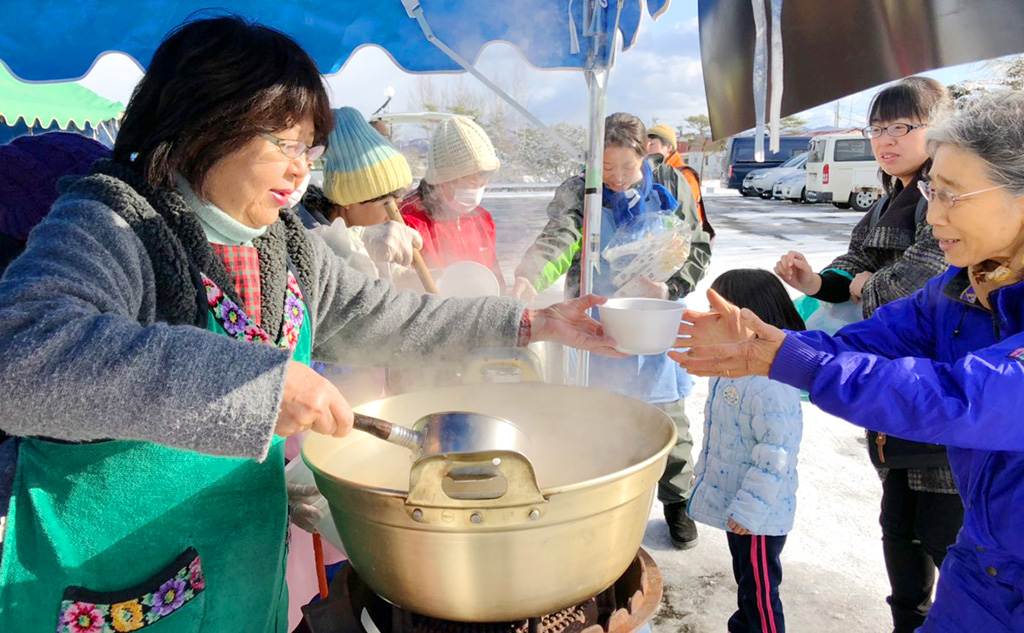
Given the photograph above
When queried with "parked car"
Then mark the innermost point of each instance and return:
(792, 187)
(842, 170)
(740, 153)
(747, 188)
(762, 181)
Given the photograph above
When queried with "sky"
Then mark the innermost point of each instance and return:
(665, 61)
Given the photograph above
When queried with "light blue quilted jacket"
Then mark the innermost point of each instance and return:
(747, 466)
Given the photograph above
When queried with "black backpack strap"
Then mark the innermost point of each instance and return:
(875, 212)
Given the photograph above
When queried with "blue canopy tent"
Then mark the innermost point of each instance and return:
(59, 41)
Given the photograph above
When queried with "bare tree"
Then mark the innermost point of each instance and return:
(792, 123)
(462, 95)
(1005, 73)
(695, 129)
(539, 159)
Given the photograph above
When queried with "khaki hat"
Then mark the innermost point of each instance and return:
(663, 132)
(459, 147)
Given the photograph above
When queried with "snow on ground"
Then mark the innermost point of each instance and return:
(833, 573)
(834, 576)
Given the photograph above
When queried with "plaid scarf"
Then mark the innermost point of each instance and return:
(243, 266)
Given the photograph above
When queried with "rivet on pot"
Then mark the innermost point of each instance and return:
(475, 517)
(496, 461)
(534, 514)
(417, 515)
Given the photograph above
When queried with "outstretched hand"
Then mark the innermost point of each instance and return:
(727, 341)
(720, 325)
(793, 269)
(569, 323)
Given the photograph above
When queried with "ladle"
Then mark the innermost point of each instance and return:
(448, 432)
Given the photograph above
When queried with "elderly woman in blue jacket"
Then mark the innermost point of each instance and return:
(945, 365)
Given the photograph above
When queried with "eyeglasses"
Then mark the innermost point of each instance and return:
(896, 129)
(294, 149)
(945, 196)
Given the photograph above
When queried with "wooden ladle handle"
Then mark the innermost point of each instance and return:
(373, 426)
(417, 258)
(389, 432)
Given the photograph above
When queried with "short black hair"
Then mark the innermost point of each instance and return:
(916, 98)
(761, 292)
(213, 84)
(625, 130)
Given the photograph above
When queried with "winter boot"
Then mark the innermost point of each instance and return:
(680, 526)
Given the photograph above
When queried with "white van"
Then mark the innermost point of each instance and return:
(842, 170)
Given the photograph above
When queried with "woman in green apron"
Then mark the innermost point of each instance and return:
(153, 346)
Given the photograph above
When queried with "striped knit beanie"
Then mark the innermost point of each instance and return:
(360, 164)
(459, 147)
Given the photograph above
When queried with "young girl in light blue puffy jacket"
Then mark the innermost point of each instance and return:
(746, 475)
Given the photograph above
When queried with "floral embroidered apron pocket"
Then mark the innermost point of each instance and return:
(176, 591)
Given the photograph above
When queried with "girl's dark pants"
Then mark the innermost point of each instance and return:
(758, 572)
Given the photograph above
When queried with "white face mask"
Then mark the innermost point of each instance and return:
(295, 196)
(467, 199)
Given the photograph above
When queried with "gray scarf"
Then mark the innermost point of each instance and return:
(178, 249)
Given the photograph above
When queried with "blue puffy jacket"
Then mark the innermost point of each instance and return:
(936, 367)
(747, 467)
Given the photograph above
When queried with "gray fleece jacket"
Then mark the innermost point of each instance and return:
(101, 324)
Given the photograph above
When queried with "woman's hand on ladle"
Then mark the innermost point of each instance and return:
(310, 401)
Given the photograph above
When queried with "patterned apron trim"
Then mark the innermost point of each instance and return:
(238, 325)
(85, 611)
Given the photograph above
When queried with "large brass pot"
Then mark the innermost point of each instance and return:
(498, 537)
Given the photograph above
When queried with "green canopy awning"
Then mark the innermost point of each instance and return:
(45, 104)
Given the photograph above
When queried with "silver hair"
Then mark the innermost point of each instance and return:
(992, 129)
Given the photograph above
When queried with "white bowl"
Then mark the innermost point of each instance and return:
(468, 279)
(641, 326)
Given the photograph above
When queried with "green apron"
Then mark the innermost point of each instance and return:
(125, 535)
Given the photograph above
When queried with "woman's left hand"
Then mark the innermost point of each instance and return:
(727, 341)
(857, 285)
(569, 323)
(736, 528)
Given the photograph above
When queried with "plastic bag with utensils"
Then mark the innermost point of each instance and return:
(651, 247)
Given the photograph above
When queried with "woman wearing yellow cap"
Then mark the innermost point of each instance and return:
(362, 174)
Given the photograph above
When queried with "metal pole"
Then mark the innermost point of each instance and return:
(590, 254)
(597, 82)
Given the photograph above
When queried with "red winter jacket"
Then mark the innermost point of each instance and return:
(468, 237)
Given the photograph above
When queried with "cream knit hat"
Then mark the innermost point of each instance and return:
(459, 147)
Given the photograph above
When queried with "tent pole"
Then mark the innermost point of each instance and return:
(413, 9)
(597, 75)
(590, 253)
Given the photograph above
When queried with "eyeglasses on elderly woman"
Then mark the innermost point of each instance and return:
(945, 196)
(294, 149)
